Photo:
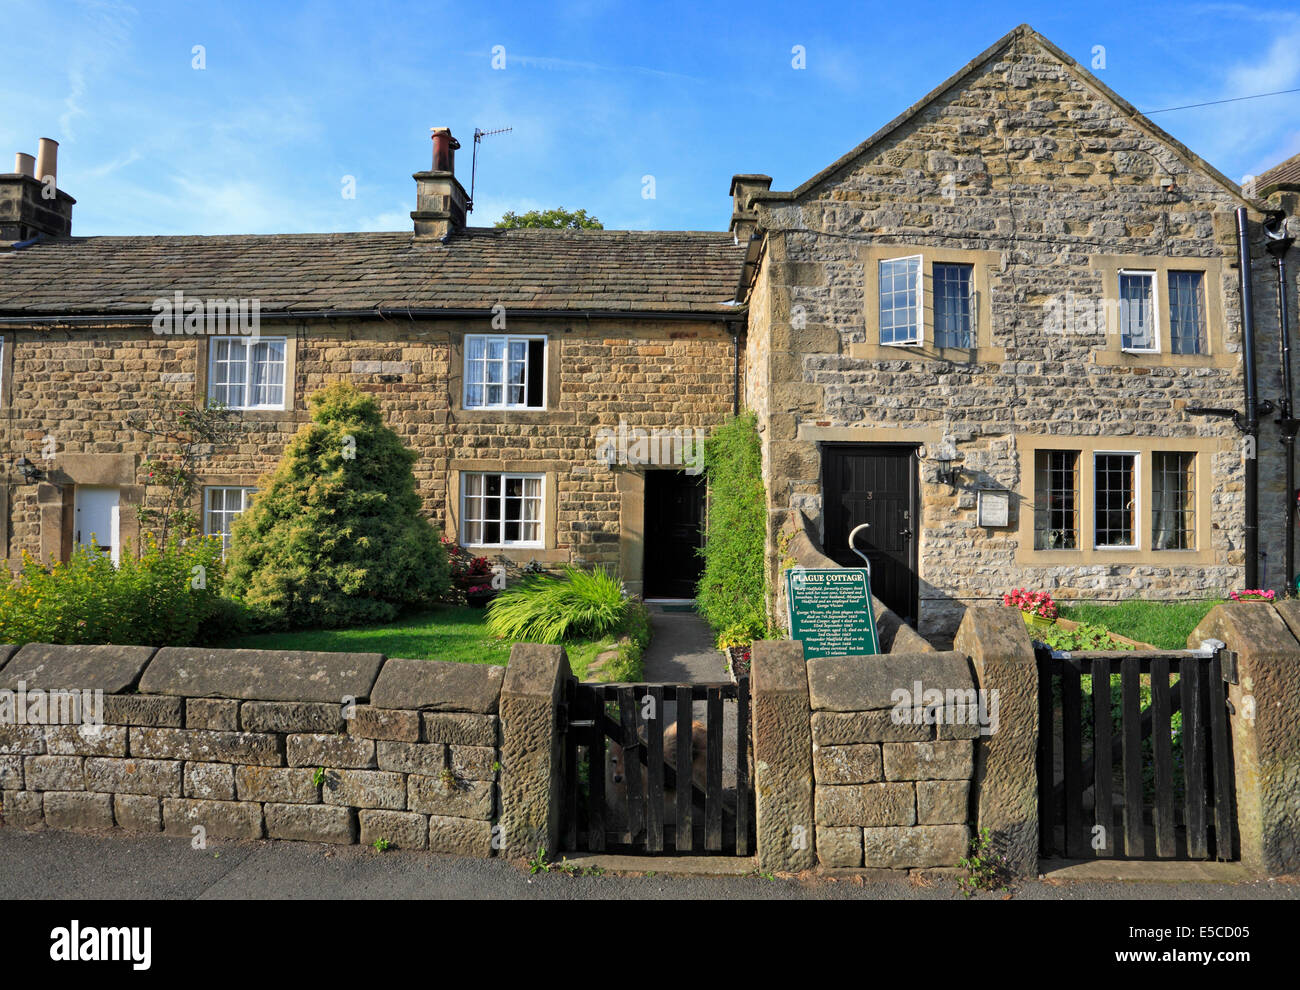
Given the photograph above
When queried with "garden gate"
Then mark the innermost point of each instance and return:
(623, 792)
(1157, 781)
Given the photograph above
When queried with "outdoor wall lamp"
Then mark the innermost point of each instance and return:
(945, 455)
(28, 470)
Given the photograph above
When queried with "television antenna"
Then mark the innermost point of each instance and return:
(479, 135)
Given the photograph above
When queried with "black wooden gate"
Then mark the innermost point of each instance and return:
(1117, 778)
(623, 792)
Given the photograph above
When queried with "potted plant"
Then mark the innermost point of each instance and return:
(1036, 607)
(470, 576)
(1252, 595)
(736, 642)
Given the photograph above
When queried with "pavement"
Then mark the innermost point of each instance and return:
(681, 649)
(54, 865)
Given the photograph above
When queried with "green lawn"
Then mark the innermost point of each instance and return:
(448, 632)
(1163, 624)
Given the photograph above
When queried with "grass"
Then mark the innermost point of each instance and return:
(448, 632)
(1163, 624)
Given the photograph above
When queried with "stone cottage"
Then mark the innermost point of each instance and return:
(981, 332)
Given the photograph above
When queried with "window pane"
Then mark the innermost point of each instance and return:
(475, 349)
(1186, 312)
(900, 317)
(1056, 500)
(1113, 475)
(1172, 501)
(952, 306)
(1137, 311)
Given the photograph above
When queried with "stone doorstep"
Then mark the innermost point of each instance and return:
(671, 866)
(1143, 871)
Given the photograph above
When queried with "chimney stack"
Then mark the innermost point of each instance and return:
(440, 199)
(30, 206)
(744, 220)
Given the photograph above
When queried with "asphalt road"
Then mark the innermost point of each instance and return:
(51, 865)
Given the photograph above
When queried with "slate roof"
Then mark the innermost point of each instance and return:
(1286, 173)
(593, 270)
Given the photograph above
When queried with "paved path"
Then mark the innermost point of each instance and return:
(681, 650)
(52, 865)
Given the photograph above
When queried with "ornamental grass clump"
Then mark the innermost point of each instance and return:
(579, 605)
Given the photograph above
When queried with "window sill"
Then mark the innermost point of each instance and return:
(1149, 359)
(871, 351)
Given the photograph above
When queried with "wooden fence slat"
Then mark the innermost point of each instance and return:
(1072, 753)
(1046, 759)
(1221, 759)
(1130, 727)
(684, 831)
(742, 766)
(1191, 679)
(1102, 785)
(713, 758)
(654, 737)
(596, 773)
(1163, 757)
(632, 764)
(570, 817)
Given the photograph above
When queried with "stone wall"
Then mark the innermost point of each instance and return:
(895, 763)
(890, 793)
(1025, 162)
(77, 387)
(251, 744)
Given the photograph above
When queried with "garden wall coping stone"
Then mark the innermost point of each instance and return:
(261, 675)
(438, 685)
(111, 669)
(7, 650)
(857, 684)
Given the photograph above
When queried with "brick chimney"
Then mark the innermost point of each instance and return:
(440, 199)
(31, 204)
(744, 221)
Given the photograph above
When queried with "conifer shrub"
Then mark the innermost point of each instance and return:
(335, 536)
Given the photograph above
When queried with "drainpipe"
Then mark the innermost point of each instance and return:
(735, 371)
(1278, 245)
(1250, 424)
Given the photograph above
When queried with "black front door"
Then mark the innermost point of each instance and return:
(674, 533)
(875, 484)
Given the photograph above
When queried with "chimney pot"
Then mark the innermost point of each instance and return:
(47, 160)
(24, 164)
(444, 150)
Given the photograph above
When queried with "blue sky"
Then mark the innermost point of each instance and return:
(295, 97)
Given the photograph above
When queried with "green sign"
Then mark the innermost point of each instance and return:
(830, 611)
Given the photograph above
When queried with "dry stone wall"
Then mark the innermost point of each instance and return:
(251, 744)
(891, 779)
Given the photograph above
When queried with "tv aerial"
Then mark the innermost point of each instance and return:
(479, 135)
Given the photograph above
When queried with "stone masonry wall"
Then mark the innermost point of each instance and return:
(1027, 161)
(77, 386)
(250, 744)
(891, 784)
